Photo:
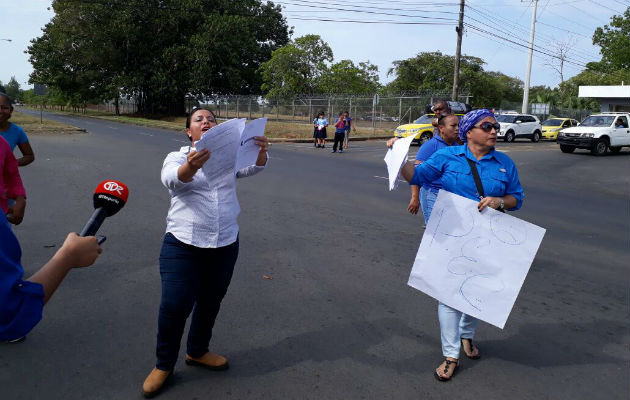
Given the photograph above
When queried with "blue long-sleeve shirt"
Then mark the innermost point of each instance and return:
(21, 302)
(425, 152)
(497, 171)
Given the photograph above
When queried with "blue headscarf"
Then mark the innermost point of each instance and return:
(470, 119)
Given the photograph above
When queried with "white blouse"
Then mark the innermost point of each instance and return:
(202, 215)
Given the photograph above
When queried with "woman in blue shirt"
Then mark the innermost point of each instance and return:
(502, 190)
(448, 131)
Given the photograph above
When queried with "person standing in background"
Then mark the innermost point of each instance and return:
(340, 131)
(320, 129)
(14, 134)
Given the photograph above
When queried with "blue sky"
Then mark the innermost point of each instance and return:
(559, 21)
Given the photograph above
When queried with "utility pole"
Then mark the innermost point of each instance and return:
(458, 54)
(529, 60)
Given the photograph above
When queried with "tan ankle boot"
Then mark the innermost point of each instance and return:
(209, 360)
(154, 382)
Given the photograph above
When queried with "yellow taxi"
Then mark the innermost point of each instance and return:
(552, 126)
(422, 128)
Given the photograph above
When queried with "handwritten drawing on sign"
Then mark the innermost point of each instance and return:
(475, 262)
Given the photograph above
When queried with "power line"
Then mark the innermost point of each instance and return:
(601, 5)
(546, 38)
(319, 6)
(386, 22)
(545, 50)
(471, 26)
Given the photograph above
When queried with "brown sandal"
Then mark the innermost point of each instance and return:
(472, 349)
(447, 366)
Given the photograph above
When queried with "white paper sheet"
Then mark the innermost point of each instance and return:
(248, 151)
(395, 158)
(223, 142)
(474, 261)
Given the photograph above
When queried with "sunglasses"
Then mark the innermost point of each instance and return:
(438, 109)
(487, 126)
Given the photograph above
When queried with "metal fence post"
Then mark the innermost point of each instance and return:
(310, 109)
(277, 110)
(400, 109)
(249, 107)
(263, 108)
(237, 110)
(293, 109)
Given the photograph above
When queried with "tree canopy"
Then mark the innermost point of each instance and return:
(157, 51)
(303, 67)
(433, 71)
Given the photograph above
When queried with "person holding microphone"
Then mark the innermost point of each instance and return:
(22, 301)
(477, 171)
(198, 252)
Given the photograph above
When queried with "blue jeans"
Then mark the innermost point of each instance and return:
(193, 279)
(453, 324)
(427, 200)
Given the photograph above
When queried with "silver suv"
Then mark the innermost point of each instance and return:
(515, 125)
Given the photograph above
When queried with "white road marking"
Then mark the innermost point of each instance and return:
(144, 134)
(113, 127)
(383, 177)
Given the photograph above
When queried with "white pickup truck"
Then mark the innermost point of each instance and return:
(597, 133)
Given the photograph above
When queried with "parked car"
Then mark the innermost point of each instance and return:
(422, 128)
(597, 133)
(519, 126)
(552, 126)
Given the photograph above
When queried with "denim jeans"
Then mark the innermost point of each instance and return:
(453, 326)
(193, 279)
(427, 200)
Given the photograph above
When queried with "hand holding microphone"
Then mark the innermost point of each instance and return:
(109, 197)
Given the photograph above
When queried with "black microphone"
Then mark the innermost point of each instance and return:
(109, 197)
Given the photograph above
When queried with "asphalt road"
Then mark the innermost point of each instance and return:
(337, 320)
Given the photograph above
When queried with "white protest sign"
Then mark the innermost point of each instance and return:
(474, 261)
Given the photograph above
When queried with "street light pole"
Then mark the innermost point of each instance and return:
(529, 61)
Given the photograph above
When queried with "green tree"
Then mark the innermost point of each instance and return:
(346, 77)
(2, 88)
(156, 51)
(433, 71)
(13, 89)
(296, 68)
(614, 43)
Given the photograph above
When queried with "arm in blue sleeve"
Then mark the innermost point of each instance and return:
(426, 172)
(514, 188)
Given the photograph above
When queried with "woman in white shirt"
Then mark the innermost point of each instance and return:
(198, 253)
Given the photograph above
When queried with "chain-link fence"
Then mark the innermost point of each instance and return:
(379, 112)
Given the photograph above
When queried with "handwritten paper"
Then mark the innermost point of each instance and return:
(475, 262)
(248, 150)
(395, 158)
